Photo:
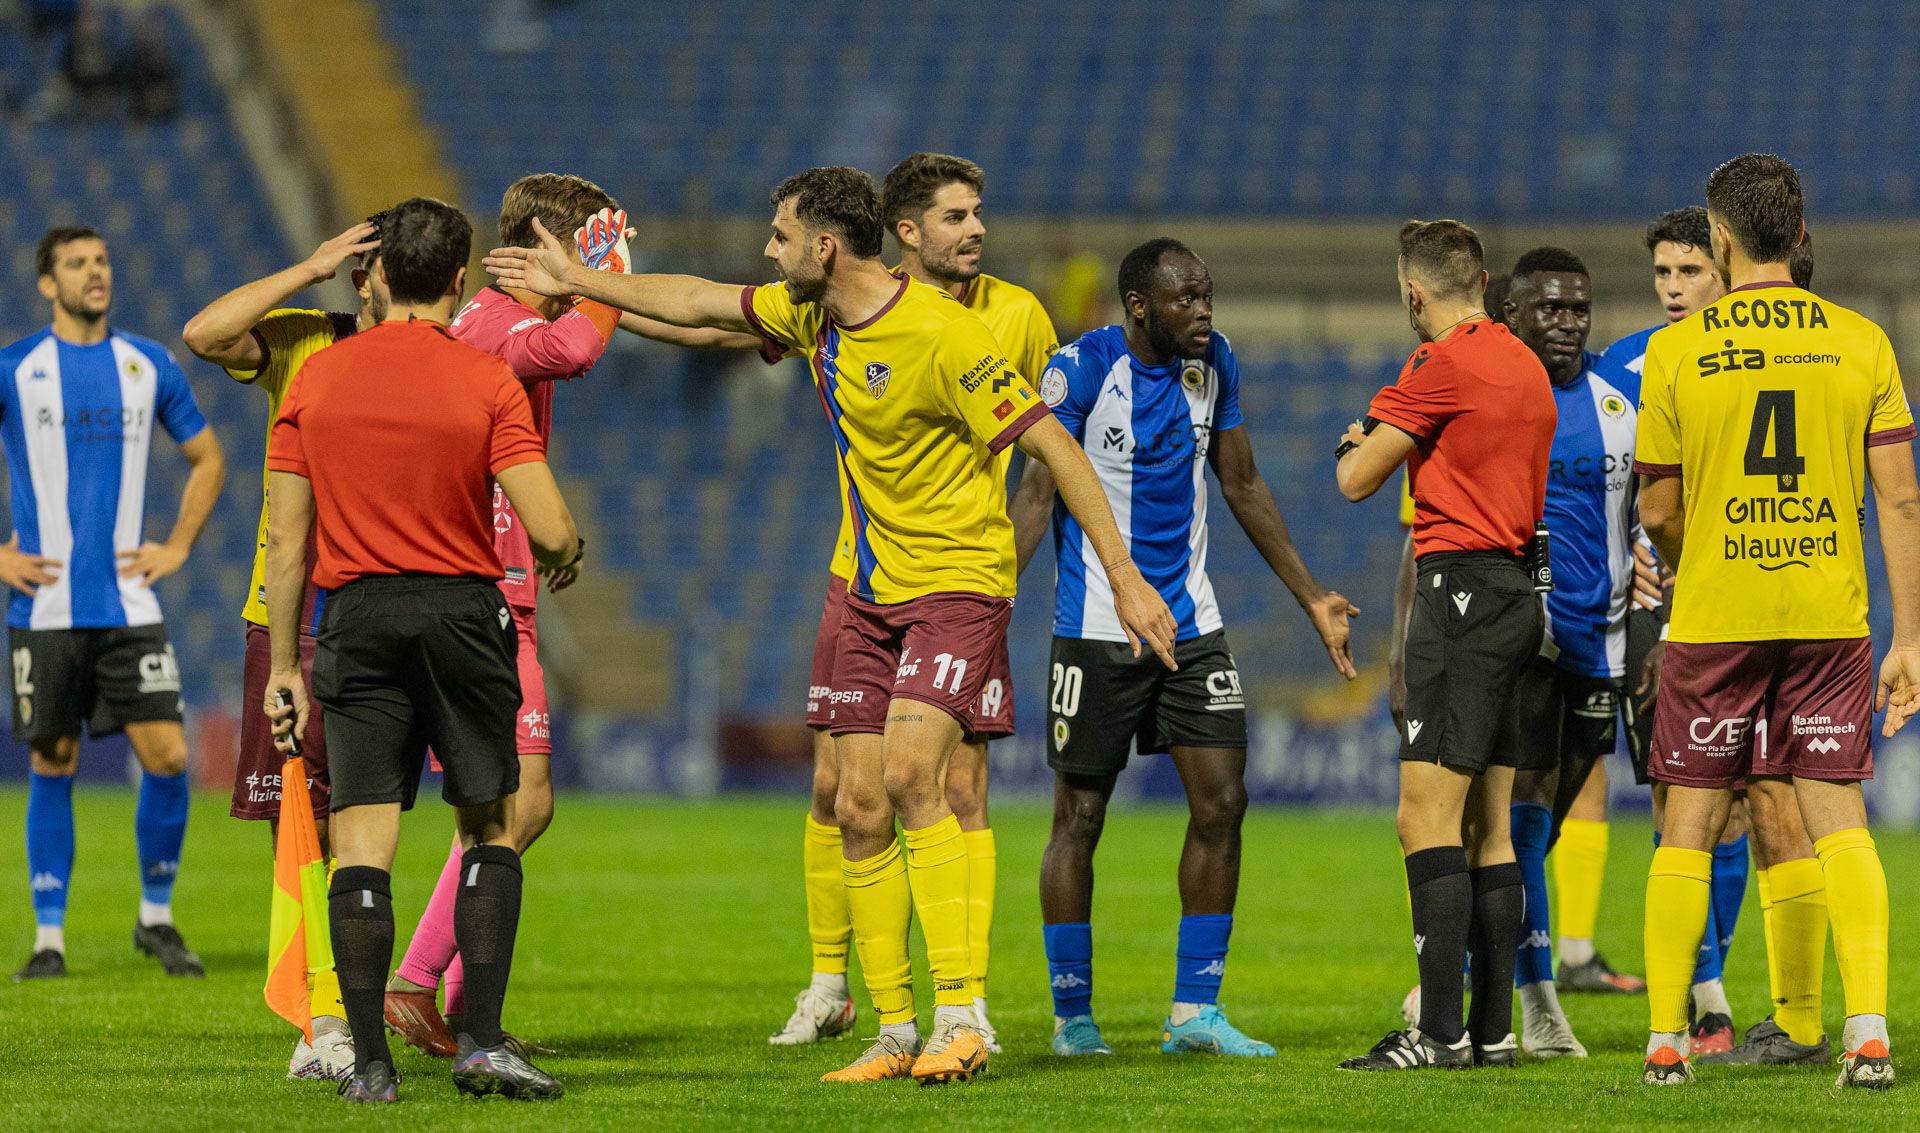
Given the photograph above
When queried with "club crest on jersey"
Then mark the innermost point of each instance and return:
(877, 375)
(1613, 405)
(1193, 377)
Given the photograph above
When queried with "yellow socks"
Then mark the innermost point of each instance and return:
(937, 872)
(1765, 886)
(829, 924)
(981, 870)
(323, 989)
(1678, 892)
(880, 906)
(1579, 866)
(1857, 904)
(1797, 945)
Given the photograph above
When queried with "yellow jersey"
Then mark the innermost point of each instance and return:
(1764, 404)
(921, 402)
(287, 337)
(1025, 334)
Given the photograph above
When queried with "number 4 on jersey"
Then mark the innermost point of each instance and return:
(1773, 412)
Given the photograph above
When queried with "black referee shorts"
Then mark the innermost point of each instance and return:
(406, 662)
(1475, 628)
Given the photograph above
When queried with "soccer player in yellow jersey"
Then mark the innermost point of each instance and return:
(263, 344)
(932, 204)
(919, 401)
(1763, 416)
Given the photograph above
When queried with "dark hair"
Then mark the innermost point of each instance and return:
(1494, 302)
(562, 201)
(423, 244)
(1548, 258)
(840, 199)
(1446, 253)
(1138, 266)
(1757, 196)
(1686, 226)
(909, 188)
(50, 243)
(1800, 264)
(364, 261)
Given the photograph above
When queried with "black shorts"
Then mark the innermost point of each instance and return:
(409, 661)
(1101, 702)
(1643, 633)
(1565, 721)
(107, 678)
(1476, 626)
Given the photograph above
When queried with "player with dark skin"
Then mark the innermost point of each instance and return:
(1174, 320)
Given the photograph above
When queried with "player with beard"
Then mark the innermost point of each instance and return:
(1155, 401)
(262, 344)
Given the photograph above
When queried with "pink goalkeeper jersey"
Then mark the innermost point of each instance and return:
(539, 353)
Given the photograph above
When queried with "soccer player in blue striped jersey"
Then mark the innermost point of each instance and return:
(78, 403)
(1568, 701)
(1155, 403)
(1684, 280)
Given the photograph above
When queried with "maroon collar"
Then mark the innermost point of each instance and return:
(1764, 283)
(884, 307)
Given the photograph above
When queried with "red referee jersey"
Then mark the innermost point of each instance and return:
(401, 430)
(1481, 408)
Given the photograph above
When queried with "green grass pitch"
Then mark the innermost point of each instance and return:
(662, 941)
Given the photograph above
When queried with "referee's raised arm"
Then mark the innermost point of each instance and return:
(390, 443)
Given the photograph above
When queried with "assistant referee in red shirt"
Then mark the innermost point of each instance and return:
(393, 440)
(1472, 414)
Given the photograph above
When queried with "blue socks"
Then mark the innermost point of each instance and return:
(1532, 830)
(50, 846)
(1201, 958)
(159, 828)
(1729, 890)
(1070, 966)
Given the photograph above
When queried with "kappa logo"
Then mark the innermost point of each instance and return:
(878, 374)
(46, 883)
(1067, 981)
(1460, 600)
(1824, 745)
(1116, 391)
(1413, 730)
(1216, 968)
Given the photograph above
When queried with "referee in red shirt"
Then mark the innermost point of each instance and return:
(1472, 414)
(393, 440)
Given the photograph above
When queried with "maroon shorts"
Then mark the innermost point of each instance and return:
(820, 680)
(1732, 709)
(993, 715)
(942, 649)
(256, 778)
(533, 727)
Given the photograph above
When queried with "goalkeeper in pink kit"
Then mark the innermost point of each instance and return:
(544, 340)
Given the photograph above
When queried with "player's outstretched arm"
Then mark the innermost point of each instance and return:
(1030, 508)
(222, 332)
(1663, 512)
(1362, 468)
(683, 300)
(690, 338)
(1251, 501)
(289, 523)
(1897, 506)
(1143, 613)
(206, 475)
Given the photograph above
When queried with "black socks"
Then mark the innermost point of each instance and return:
(1442, 913)
(1499, 906)
(360, 915)
(486, 917)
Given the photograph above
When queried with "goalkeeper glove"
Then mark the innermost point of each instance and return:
(602, 241)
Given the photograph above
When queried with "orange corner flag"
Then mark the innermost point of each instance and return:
(298, 947)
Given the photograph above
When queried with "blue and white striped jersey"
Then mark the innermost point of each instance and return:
(77, 422)
(1147, 430)
(1630, 353)
(1590, 512)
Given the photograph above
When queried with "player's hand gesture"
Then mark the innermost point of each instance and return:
(1899, 691)
(151, 562)
(540, 270)
(289, 721)
(328, 257)
(1330, 613)
(26, 573)
(1648, 593)
(602, 241)
(1143, 613)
